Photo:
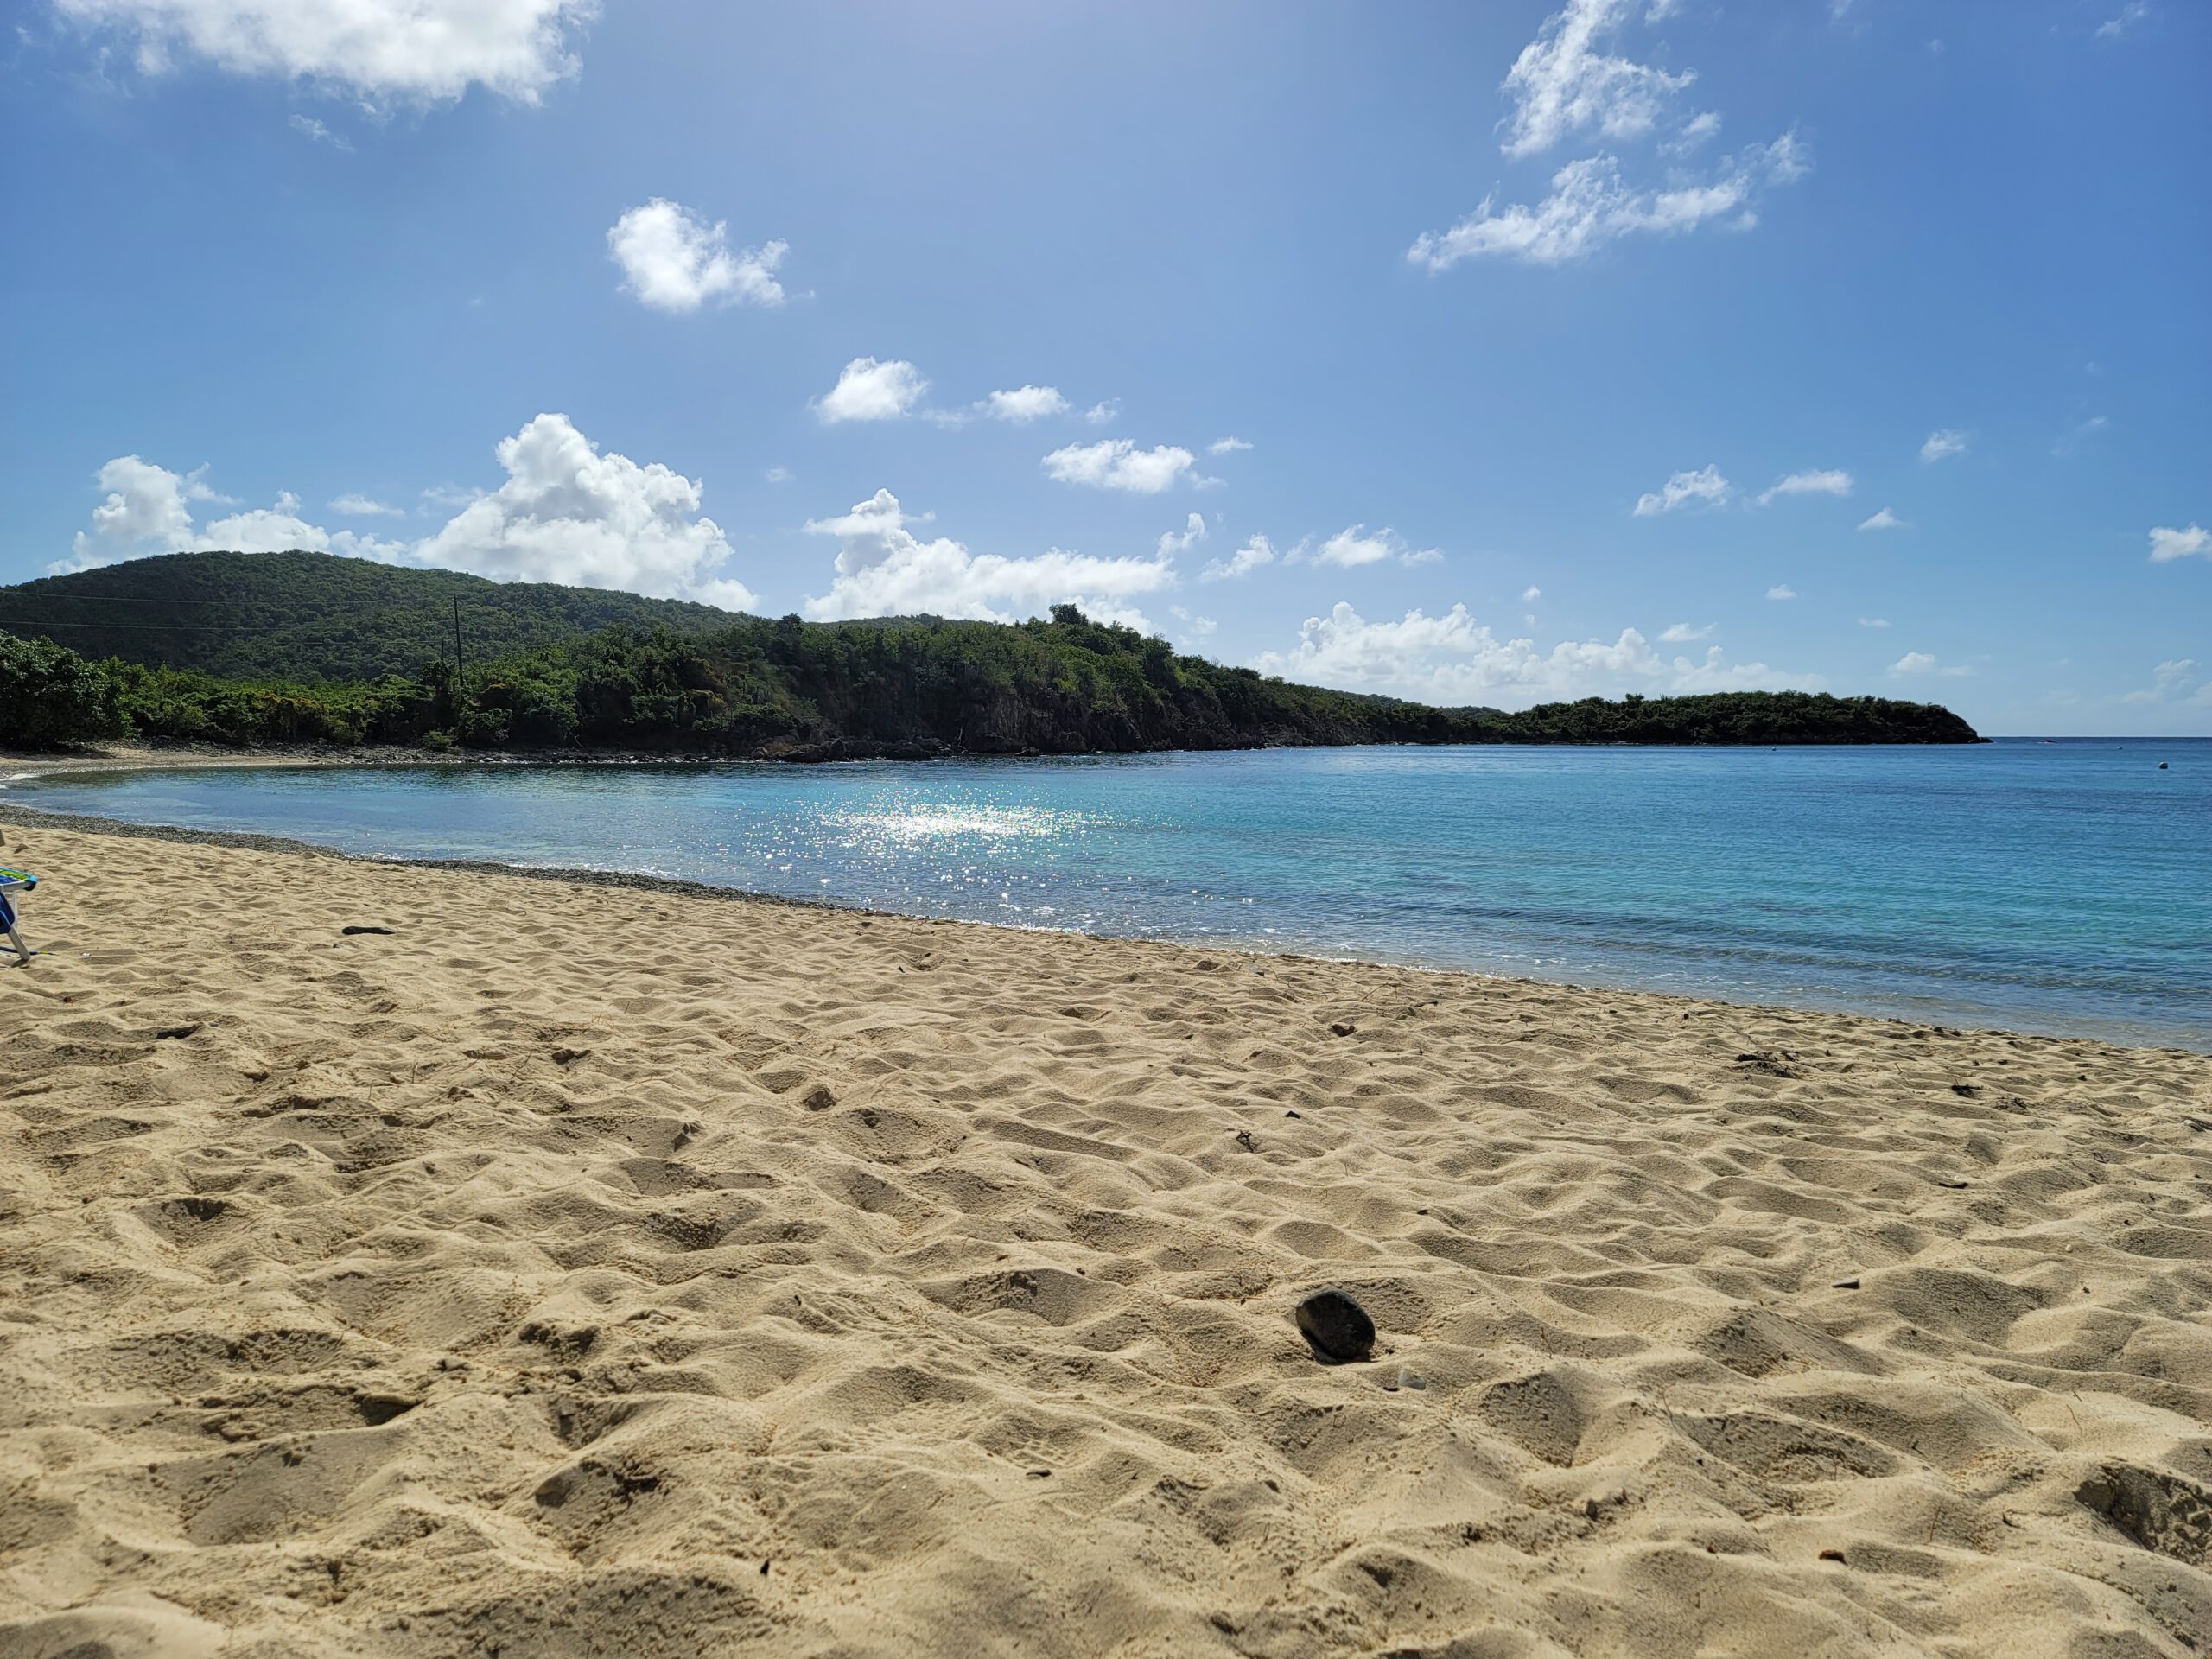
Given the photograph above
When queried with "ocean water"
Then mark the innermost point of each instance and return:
(2062, 886)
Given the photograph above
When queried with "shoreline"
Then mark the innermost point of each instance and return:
(399, 1263)
(679, 887)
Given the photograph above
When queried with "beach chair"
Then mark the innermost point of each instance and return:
(13, 881)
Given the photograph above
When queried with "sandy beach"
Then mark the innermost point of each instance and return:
(578, 1270)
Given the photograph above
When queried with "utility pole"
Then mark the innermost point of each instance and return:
(460, 660)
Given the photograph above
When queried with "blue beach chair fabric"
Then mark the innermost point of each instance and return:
(13, 881)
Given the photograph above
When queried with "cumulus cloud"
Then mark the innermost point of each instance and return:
(1942, 446)
(778, 475)
(1254, 555)
(410, 51)
(1884, 520)
(1352, 547)
(1102, 413)
(2168, 543)
(674, 261)
(1226, 445)
(883, 568)
(1782, 590)
(1118, 464)
(1452, 659)
(362, 506)
(871, 391)
(1682, 634)
(568, 513)
(148, 510)
(1024, 404)
(1832, 481)
(1705, 487)
(1195, 628)
(1563, 84)
(1531, 593)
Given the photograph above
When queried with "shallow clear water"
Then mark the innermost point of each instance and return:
(2062, 887)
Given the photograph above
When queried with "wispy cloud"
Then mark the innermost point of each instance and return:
(1705, 487)
(307, 127)
(1782, 590)
(1833, 481)
(1884, 520)
(1943, 445)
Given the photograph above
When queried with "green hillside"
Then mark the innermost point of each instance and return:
(312, 616)
(905, 688)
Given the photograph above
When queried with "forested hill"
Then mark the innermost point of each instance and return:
(907, 688)
(315, 616)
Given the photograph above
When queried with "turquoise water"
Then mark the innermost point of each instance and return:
(2062, 886)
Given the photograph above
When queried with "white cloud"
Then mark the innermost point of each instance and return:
(1254, 555)
(307, 127)
(1352, 547)
(1102, 413)
(673, 260)
(1682, 634)
(1531, 593)
(2166, 544)
(1874, 622)
(148, 510)
(1226, 445)
(414, 51)
(1024, 404)
(1884, 520)
(1591, 204)
(2128, 15)
(778, 475)
(1453, 660)
(1919, 662)
(1175, 542)
(2174, 681)
(1194, 627)
(1833, 481)
(567, 514)
(1697, 131)
(145, 512)
(1563, 84)
(2072, 442)
(1704, 487)
(362, 506)
(1782, 590)
(883, 568)
(1942, 446)
(1118, 464)
(872, 391)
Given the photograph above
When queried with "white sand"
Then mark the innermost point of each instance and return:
(598, 1271)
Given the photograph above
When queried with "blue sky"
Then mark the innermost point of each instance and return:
(1649, 344)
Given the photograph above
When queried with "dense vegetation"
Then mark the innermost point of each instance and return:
(906, 688)
(311, 616)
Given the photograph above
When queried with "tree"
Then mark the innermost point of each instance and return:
(50, 697)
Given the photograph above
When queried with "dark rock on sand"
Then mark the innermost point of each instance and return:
(1338, 1327)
